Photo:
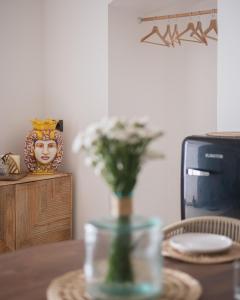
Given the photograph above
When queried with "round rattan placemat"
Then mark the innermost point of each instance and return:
(177, 286)
(232, 254)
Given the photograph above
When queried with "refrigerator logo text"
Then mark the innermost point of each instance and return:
(213, 155)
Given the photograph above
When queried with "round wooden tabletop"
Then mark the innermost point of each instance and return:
(26, 274)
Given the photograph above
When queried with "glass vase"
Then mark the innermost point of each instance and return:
(123, 258)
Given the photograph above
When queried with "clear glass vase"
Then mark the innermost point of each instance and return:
(123, 258)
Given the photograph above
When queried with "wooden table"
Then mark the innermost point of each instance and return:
(25, 274)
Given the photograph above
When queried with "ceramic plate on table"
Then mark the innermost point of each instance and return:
(200, 243)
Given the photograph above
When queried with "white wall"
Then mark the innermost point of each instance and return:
(53, 63)
(176, 88)
(76, 89)
(21, 70)
(228, 65)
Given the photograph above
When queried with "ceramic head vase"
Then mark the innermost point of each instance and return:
(43, 149)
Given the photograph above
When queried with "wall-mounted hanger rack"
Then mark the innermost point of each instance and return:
(192, 33)
(181, 15)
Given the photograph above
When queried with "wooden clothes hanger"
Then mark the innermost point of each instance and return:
(201, 33)
(172, 35)
(156, 31)
(212, 27)
(175, 35)
(168, 32)
(193, 31)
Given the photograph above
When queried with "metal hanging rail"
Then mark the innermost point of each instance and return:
(182, 15)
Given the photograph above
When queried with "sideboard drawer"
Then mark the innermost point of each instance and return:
(7, 218)
(35, 212)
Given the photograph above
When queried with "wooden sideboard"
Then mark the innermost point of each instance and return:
(36, 209)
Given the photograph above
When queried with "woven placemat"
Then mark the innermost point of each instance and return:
(216, 258)
(177, 286)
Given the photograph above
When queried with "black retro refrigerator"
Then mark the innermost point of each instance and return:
(210, 176)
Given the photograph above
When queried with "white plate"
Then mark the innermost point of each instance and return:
(200, 243)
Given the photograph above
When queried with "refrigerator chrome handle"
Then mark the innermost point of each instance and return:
(194, 172)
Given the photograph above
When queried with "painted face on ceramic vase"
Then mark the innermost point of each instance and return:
(45, 151)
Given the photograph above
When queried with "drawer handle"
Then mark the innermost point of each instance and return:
(194, 172)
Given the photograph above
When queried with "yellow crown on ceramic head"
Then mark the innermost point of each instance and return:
(47, 124)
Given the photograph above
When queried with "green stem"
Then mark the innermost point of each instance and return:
(120, 266)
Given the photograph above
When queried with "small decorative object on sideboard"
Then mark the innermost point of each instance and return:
(43, 147)
(123, 259)
(3, 167)
(10, 167)
(11, 163)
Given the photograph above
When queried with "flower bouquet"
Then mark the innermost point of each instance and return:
(116, 149)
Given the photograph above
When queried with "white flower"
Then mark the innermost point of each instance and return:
(107, 125)
(93, 129)
(98, 168)
(119, 135)
(115, 145)
(143, 133)
(120, 166)
(77, 143)
(88, 142)
(90, 139)
(140, 122)
(156, 133)
(89, 161)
